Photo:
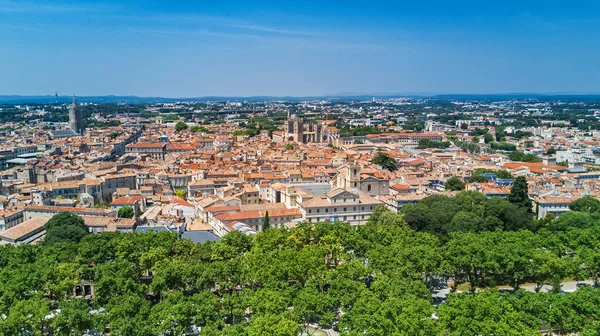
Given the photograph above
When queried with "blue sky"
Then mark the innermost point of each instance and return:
(198, 48)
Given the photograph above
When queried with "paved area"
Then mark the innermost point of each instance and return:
(568, 287)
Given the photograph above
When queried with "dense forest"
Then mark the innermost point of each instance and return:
(376, 279)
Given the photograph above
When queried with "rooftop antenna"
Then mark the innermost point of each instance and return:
(56, 97)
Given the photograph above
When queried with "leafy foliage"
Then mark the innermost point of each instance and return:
(125, 212)
(180, 193)
(348, 131)
(585, 204)
(519, 194)
(374, 279)
(468, 211)
(181, 126)
(522, 157)
(505, 146)
(454, 184)
(426, 143)
(385, 161)
(64, 227)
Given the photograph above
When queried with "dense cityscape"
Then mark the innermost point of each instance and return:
(442, 215)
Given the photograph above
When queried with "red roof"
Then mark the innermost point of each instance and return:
(400, 186)
(127, 200)
(180, 201)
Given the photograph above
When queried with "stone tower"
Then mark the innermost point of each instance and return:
(76, 123)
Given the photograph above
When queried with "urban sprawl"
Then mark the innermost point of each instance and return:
(457, 170)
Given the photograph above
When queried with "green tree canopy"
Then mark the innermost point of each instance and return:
(180, 193)
(64, 227)
(522, 157)
(385, 161)
(455, 184)
(519, 194)
(181, 126)
(585, 204)
(125, 212)
(266, 222)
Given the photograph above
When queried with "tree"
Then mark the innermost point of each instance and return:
(74, 317)
(572, 220)
(289, 147)
(426, 143)
(374, 279)
(125, 212)
(180, 193)
(64, 227)
(477, 175)
(486, 313)
(276, 325)
(129, 315)
(522, 157)
(585, 204)
(180, 126)
(488, 138)
(502, 145)
(385, 161)
(551, 151)
(266, 223)
(454, 184)
(519, 194)
(466, 222)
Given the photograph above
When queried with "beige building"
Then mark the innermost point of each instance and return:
(352, 206)
(157, 150)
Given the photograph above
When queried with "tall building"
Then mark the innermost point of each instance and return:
(76, 123)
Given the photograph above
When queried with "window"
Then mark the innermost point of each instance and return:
(309, 210)
(344, 209)
(369, 187)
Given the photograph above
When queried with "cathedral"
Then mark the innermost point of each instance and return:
(76, 124)
(296, 130)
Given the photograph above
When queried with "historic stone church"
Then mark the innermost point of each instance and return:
(353, 176)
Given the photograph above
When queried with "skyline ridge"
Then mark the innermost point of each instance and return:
(111, 98)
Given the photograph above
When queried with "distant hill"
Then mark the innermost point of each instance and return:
(16, 99)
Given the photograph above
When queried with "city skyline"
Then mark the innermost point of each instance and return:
(190, 49)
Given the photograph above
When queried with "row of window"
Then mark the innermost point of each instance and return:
(343, 209)
(345, 200)
(342, 218)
